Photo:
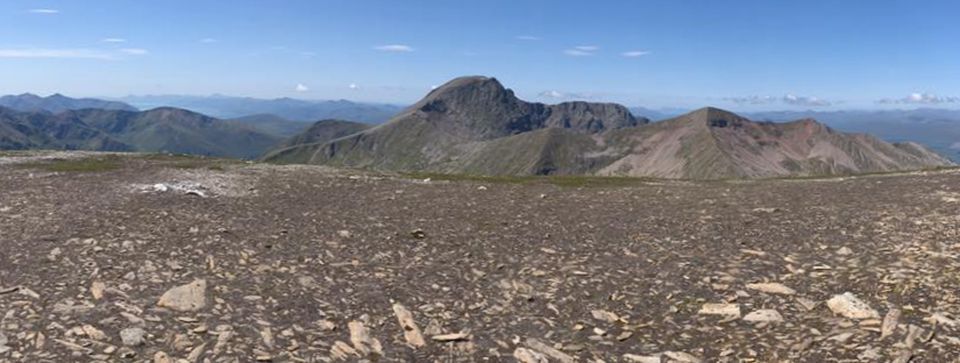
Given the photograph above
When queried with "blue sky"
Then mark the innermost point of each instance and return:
(746, 55)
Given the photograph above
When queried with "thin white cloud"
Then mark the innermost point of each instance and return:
(559, 95)
(788, 99)
(398, 48)
(635, 53)
(134, 51)
(587, 48)
(752, 100)
(353, 86)
(527, 37)
(577, 53)
(113, 40)
(795, 100)
(918, 98)
(54, 53)
(44, 11)
(301, 88)
(208, 40)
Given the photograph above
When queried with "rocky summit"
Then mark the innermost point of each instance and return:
(128, 257)
(473, 125)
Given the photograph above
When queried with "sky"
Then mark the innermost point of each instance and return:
(745, 55)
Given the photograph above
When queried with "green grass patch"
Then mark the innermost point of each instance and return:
(85, 165)
(567, 181)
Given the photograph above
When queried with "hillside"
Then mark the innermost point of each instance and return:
(271, 124)
(474, 125)
(22, 131)
(159, 130)
(58, 103)
(938, 129)
(323, 131)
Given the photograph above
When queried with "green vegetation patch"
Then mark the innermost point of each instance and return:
(569, 181)
(84, 165)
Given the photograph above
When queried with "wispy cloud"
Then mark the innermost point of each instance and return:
(792, 99)
(353, 86)
(527, 37)
(582, 51)
(208, 40)
(577, 53)
(560, 95)
(301, 87)
(113, 40)
(921, 99)
(788, 99)
(54, 53)
(134, 51)
(635, 53)
(397, 48)
(44, 11)
(752, 100)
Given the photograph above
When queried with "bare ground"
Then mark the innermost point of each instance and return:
(309, 264)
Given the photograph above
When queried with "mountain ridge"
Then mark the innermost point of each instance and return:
(56, 103)
(475, 125)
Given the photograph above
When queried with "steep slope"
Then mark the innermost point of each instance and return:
(321, 132)
(456, 128)
(20, 131)
(58, 103)
(711, 144)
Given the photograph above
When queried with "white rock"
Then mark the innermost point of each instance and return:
(189, 297)
(764, 315)
(683, 357)
(411, 332)
(731, 310)
(604, 315)
(361, 339)
(524, 355)
(132, 337)
(849, 306)
(772, 288)
(96, 289)
(641, 358)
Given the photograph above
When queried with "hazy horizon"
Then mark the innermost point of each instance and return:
(749, 56)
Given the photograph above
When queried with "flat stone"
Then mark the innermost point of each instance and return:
(731, 310)
(361, 339)
(683, 357)
(772, 288)
(851, 307)
(410, 330)
(764, 316)
(524, 355)
(641, 358)
(189, 297)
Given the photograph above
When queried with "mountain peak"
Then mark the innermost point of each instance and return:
(470, 87)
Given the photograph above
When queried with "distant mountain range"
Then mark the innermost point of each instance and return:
(58, 103)
(474, 125)
(158, 130)
(285, 108)
(938, 129)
